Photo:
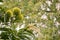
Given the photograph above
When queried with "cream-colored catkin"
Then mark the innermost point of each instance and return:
(37, 30)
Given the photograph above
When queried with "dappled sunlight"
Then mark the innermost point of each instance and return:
(30, 19)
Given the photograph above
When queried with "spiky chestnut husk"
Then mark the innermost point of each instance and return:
(19, 17)
(16, 11)
(9, 13)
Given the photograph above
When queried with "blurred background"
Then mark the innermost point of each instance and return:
(39, 17)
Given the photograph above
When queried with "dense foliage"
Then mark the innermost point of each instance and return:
(30, 19)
